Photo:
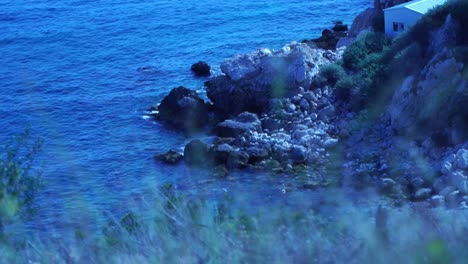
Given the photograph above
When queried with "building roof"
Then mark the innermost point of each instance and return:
(419, 6)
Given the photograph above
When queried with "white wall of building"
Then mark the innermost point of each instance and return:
(402, 15)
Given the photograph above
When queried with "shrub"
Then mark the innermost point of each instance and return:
(344, 87)
(18, 182)
(353, 55)
(332, 73)
(375, 42)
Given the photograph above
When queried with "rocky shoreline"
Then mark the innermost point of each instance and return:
(268, 112)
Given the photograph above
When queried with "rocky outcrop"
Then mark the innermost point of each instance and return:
(170, 157)
(183, 109)
(433, 102)
(251, 80)
(201, 68)
(371, 19)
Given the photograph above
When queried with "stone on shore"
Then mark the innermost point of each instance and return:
(239, 125)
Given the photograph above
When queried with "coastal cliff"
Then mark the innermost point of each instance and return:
(392, 111)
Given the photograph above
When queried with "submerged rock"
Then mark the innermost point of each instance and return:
(170, 157)
(184, 109)
(201, 68)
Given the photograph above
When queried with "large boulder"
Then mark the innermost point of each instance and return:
(368, 20)
(251, 80)
(239, 125)
(201, 68)
(197, 153)
(184, 109)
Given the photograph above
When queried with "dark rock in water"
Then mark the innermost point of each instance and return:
(237, 159)
(340, 27)
(201, 68)
(237, 126)
(197, 153)
(184, 109)
(148, 69)
(170, 157)
(329, 38)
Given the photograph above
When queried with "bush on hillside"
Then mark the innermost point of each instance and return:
(353, 55)
(332, 73)
(368, 43)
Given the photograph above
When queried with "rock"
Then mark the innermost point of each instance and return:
(446, 167)
(184, 109)
(326, 112)
(340, 27)
(414, 109)
(365, 21)
(305, 106)
(271, 124)
(438, 201)
(291, 108)
(222, 152)
(453, 199)
(460, 181)
(237, 159)
(447, 190)
(313, 116)
(422, 194)
(201, 68)
(417, 182)
(330, 142)
(170, 157)
(329, 38)
(239, 125)
(252, 80)
(462, 159)
(196, 153)
(299, 154)
(440, 183)
(257, 153)
(220, 171)
(387, 185)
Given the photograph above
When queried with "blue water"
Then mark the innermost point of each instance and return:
(70, 70)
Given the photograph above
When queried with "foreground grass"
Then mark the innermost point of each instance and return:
(182, 230)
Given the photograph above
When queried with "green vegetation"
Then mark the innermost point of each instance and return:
(175, 228)
(373, 63)
(18, 182)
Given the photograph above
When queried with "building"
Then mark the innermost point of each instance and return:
(399, 18)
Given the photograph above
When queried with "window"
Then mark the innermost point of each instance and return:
(397, 27)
